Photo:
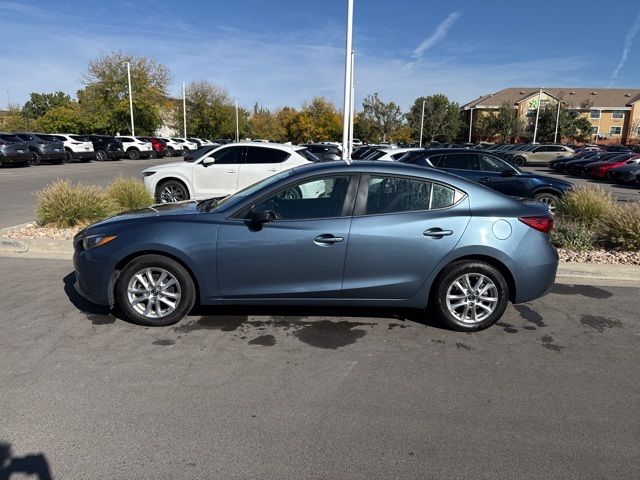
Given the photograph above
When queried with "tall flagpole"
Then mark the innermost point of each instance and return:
(347, 83)
(133, 128)
(237, 124)
(555, 138)
(422, 122)
(352, 112)
(470, 124)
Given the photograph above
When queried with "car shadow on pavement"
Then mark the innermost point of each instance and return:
(98, 314)
(33, 464)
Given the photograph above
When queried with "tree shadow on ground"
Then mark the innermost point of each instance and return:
(33, 464)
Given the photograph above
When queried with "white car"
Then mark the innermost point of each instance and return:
(136, 148)
(394, 154)
(222, 171)
(187, 145)
(77, 147)
(174, 149)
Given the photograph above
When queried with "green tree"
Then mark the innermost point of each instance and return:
(507, 123)
(40, 103)
(572, 125)
(63, 119)
(105, 97)
(484, 125)
(442, 120)
(385, 119)
(12, 120)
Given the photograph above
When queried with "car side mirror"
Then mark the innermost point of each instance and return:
(509, 172)
(261, 216)
(208, 161)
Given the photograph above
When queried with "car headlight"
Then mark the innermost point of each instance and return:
(147, 174)
(96, 241)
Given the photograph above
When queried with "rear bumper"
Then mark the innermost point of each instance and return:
(83, 155)
(14, 158)
(535, 274)
(53, 156)
(115, 154)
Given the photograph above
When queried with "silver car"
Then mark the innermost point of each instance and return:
(541, 155)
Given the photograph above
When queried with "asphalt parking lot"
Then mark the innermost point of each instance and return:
(551, 391)
(18, 184)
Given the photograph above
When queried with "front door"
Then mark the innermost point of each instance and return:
(402, 228)
(220, 178)
(500, 176)
(299, 253)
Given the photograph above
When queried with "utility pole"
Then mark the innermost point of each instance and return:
(535, 130)
(470, 124)
(184, 108)
(422, 122)
(555, 138)
(133, 128)
(347, 83)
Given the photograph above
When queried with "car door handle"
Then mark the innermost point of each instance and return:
(232, 171)
(485, 179)
(273, 169)
(327, 239)
(437, 233)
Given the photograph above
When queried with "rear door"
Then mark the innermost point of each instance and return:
(401, 229)
(221, 177)
(260, 163)
(500, 176)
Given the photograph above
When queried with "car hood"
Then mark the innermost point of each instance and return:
(188, 207)
(166, 166)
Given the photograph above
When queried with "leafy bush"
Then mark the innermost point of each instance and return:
(61, 204)
(621, 227)
(585, 205)
(573, 235)
(129, 194)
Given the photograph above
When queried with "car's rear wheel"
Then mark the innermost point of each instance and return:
(34, 158)
(68, 156)
(549, 199)
(154, 290)
(153, 154)
(133, 153)
(520, 161)
(471, 296)
(101, 155)
(171, 152)
(171, 191)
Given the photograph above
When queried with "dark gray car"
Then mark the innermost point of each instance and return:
(13, 150)
(41, 149)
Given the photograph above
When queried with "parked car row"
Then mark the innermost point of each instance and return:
(522, 154)
(32, 148)
(622, 168)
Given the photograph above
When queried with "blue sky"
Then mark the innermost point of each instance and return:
(282, 52)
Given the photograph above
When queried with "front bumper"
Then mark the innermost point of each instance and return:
(93, 277)
(14, 158)
(115, 154)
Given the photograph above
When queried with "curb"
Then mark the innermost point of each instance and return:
(36, 245)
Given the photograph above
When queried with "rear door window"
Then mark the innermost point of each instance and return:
(460, 161)
(257, 155)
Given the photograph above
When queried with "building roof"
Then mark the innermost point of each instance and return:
(598, 97)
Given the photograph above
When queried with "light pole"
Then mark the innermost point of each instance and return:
(535, 130)
(184, 108)
(133, 128)
(237, 124)
(555, 138)
(352, 111)
(422, 122)
(347, 83)
(470, 124)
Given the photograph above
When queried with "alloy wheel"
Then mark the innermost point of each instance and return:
(154, 292)
(472, 297)
(172, 192)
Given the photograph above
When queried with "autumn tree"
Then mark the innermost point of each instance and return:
(385, 119)
(442, 120)
(104, 100)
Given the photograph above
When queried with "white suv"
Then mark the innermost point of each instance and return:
(174, 149)
(136, 148)
(187, 145)
(222, 171)
(77, 147)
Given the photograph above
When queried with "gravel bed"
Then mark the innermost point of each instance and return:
(33, 231)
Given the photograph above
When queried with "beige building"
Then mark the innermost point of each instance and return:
(614, 112)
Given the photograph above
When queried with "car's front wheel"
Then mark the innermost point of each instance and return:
(101, 155)
(133, 153)
(471, 296)
(549, 199)
(171, 191)
(34, 158)
(154, 290)
(520, 161)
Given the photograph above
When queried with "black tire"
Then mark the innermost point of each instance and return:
(520, 161)
(181, 275)
(153, 154)
(101, 156)
(68, 156)
(171, 191)
(446, 282)
(133, 153)
(171, 152)
(34, 158)
(549, 199)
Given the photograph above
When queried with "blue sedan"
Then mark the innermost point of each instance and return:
(366, 234)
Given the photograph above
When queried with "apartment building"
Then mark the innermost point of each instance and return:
(614, 112)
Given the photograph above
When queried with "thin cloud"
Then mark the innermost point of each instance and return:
(438, 34)
(628, 42)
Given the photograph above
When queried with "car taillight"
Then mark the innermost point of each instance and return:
(542, 224)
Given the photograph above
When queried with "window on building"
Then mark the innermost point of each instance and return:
(617, 114)
(615, 131)
(594, 114)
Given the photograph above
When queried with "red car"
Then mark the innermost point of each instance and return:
(599, 169)
(159, 147)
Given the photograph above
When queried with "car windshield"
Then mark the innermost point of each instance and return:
(198, 153)
(307, 154)
(10, 138)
